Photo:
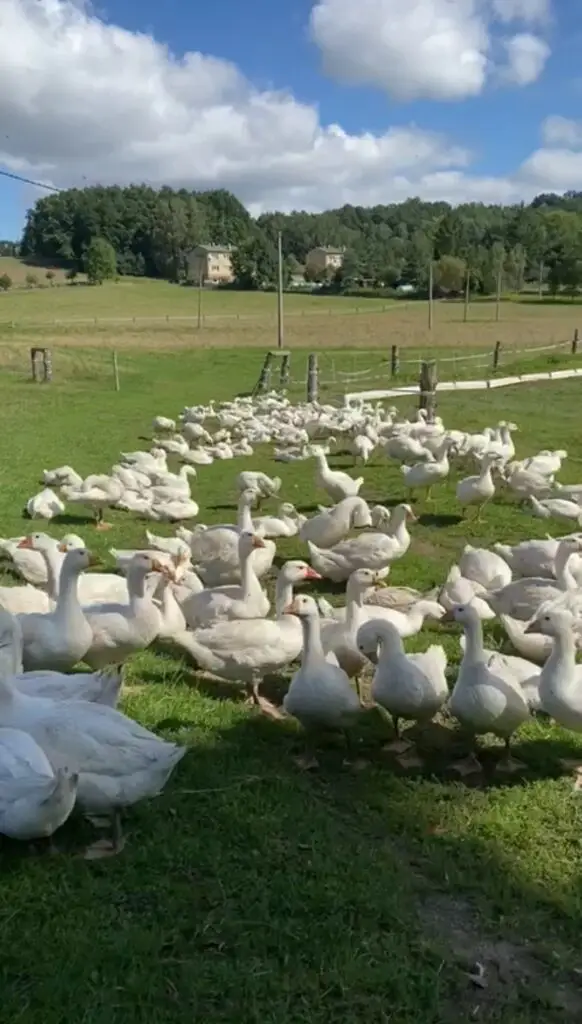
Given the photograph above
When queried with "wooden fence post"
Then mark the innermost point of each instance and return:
(115, 370)
(284, 370)
(496, 354)
(264, 376)
(41, 365)
(575, 340)
(394, 361)
(427, 385)
(312, 377)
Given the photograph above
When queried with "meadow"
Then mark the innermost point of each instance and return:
(257, 892)
(137, 312)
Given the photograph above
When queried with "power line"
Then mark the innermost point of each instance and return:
(29, 181)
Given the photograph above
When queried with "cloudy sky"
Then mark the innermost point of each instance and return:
(304, 104)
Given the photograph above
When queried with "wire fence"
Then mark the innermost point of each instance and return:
(341, 373)
(201, 320)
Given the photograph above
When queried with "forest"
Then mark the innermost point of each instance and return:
(152, 231)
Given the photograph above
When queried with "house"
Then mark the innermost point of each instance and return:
(324, 257)
(211, 264)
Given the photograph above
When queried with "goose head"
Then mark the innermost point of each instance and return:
(296, 572)
(303, 606)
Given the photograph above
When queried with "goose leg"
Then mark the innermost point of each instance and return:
(257, 699)
(108, 847)
(398, 745)
(468, 766)
(508, 763)
(429, 494)
(100, 523)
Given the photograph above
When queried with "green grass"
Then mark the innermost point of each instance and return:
(136, 297)
(251, 891)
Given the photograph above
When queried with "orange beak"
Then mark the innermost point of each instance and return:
(258, 542)
(93, 560)
(290, 609)
(311, 574)
(26, 542)
(412, 516)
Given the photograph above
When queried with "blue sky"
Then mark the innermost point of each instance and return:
(490, 140)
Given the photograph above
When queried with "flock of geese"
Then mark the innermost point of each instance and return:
(65, 745)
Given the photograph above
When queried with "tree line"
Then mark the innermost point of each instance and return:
(152, 231)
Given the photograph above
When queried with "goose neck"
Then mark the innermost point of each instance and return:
(283, 594)
(562, 567)
(473, 641)
(312, 647)
(68, 601)
(249, 580)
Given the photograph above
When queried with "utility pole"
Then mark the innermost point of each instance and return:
(430, 293)
(199, 322)
(279, 290)
(498, 292)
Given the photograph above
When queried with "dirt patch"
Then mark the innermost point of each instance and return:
(500, 973)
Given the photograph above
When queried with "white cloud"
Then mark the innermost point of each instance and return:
(531, 12)
(410, 48)
(526, 58)
(434, 49)
(561, 131)
(85, 101)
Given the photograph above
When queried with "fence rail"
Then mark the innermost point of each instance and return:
(334, 382)
(95, 321)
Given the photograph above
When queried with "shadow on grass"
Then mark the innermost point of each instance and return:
(439, 519)
(245, 858)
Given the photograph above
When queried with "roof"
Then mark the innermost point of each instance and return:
(331, 250)
(215, 248)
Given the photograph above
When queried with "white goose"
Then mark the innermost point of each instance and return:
(118, 761)
(483, 701)
(560, 684)
(98, 492)
(246, 651)
(60, 638)
(44, 505)
(368, 551)
(215, 550)
(478, 490)
(35, 800)
(425, 474)
(522, 598)
(119, 630)
(246, 600)
(337, 484)
(340, 637)
(330, 526)
(409, 686)
(320, 695)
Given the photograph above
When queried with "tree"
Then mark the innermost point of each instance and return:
(5, 282)
(515, 265)
(72, 275)
(31, 280)
(50, 276)
(254, 263)
(100, 261)
(449, 274)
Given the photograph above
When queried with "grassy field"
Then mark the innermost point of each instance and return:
(252, 891)
(150, 314)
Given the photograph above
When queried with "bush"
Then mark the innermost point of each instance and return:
(31, 280)
(5, 282)
(100, 261)
(50, 276)
(71, 275)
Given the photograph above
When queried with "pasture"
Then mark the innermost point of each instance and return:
(153, 314)
(253, 891)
